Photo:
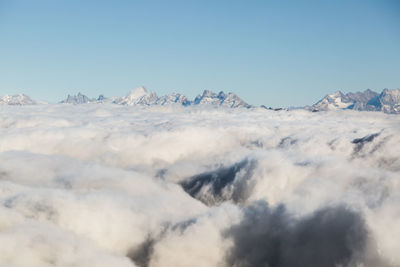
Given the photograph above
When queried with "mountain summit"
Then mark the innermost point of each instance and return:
(221, 99)
(17, 100)
(138, 96)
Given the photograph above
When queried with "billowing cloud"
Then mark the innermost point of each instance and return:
(108, 185)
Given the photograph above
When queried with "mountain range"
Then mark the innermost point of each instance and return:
(141, 97)
(387, 101)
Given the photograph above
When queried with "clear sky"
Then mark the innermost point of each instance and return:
(277, 53)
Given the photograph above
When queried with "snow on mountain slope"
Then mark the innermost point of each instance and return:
(209, 98)
(233, 101)
(388, 101)
(334, 101)
(221, 99)
(19, 100)
(138, 96)
(174, 98)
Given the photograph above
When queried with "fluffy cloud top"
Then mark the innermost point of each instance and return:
(109, 185)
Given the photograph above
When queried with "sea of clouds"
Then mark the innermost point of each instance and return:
(108, 185)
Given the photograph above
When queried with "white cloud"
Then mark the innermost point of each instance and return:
(88, 184)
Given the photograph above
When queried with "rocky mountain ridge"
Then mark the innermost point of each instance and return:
(387, 101)
(141, 97)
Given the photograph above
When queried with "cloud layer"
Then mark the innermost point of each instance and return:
(108, 185)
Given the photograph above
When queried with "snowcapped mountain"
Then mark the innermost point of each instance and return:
(334, 101)
(388, 101)
(174, 98)
(221, 99)
(138, 96)
(17, 100)
(233, 101)
(209, 98)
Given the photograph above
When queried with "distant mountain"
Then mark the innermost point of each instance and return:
(77, 99)
(173, 99)
(233, 101)
(83, 99)
(18, 100)
(140, 96)
(221, 99)
(363, 100)
(208, 98)
(388, 101)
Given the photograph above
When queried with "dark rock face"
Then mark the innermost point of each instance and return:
(226, 183)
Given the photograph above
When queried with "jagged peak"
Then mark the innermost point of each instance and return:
(369, 91)
(209, 93)
(137, 92)
(77, 99)
(390, 91)
(336, 94)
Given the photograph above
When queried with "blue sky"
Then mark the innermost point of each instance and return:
(277, 53)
